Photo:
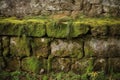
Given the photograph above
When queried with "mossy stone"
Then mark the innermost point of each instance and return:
(64, 64)
(2, 63)
(79, 29)
(35, 29)
(40, 47)
(5, 46)
(31, 64)
(57, 30)
(13, 63)
(19, 46)
(82, 66)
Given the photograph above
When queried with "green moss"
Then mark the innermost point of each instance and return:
(31, 64)
(59, 28)
(79, 29)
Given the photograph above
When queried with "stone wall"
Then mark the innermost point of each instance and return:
(42, 48)
(22, 8)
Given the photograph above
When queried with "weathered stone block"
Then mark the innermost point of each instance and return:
(67, 48)
(99, 30)
(102, 47)
(114, 65)
(95, 1)
(0, 46)
(5, 45)
(78, 29)
(19, 27)
(100, 64)
(64, 64)
(57, 30)
(114, 30)
(13, 63)
(19, 46)
(82, 66)
(32, 64)
(2, 63)
(40, 47)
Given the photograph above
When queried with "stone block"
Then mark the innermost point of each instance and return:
(33, 64)
(82, 66)
(114, 65)
(12, 63)
(100, 64)
(99, 30)
(67, 48)
(17, 28)
(40, 47)
(5, 45)
(61, 64)
(79, 29)
(114, 30)
(2, 63)
(19, 46)
(102, 47)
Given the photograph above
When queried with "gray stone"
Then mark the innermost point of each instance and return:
(67, 48)
(102, 47)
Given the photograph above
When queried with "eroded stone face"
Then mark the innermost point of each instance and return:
(20, 46)
(114, 65)
(82, 66)
(64, 48)
(102, 47)
(22, 8)
(40, 47)
(61, 64)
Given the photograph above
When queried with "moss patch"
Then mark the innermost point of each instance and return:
(31, 64)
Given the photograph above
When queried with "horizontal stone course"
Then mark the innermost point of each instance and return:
(64, 27)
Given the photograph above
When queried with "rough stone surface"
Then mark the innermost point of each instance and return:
(64, 64)
(65, 48)
(5, 45)
(13, 63)
(40, 47)
(82, 66)
(31, 64)
(114, 65)
(38, 7)
(102, 48)
(20, 46)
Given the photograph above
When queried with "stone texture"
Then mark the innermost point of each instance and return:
(100, 64)
(13, 63)
(0, 46)
(82, 66)
(5, 46)
(61, 64)
(29, 28)
(114, 65)
(67, 48)
(22, 8)
(114, 30)
(102, 48)
(19, 46)
(2, 63)
(32, 64)
(40, 47)
(99, 30)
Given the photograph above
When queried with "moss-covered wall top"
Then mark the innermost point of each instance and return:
(69, 7)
